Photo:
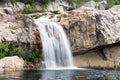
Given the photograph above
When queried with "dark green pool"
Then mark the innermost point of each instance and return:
(77, 74)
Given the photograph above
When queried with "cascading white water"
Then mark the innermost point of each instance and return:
(56, 48)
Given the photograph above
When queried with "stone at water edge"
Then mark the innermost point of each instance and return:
(12, 63)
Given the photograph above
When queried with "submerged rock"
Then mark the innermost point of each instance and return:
(13, 63)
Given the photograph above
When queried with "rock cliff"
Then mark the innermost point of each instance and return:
(16, 27)
(89, 28)
(95, 34)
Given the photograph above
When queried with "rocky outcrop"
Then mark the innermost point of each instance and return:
(93, 59)
(17, 28)
(97, 5)
(96, 34)
(13, 6)
(89, 28)
(13, 63)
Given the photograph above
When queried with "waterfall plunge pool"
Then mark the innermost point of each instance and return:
(60, 74)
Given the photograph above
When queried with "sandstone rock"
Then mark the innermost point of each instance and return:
(13, 63)
(88, 28)
(15, 7)
(97, 5)
(17, 28)
(61, 6)
(94, 60)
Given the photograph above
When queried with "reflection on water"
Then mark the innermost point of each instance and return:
(90, 74)
(57, 75)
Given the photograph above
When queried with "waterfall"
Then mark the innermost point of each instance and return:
(56, 47)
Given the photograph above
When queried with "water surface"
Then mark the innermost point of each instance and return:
(65, 74)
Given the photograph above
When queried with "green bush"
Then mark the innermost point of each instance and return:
(112, 3)
(28, 9)
(31, 55)
(4, 49)
(7, 49)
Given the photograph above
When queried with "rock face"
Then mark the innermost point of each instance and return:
(16, 7)
(97, 5)
(11, 64)
(17, 28)
(93, 59)
(96, 34)
(89, 28)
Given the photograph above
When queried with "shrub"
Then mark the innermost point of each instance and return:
(4, 49)
(112, 3)
(28, 9)
(31, 55)
(7, 49)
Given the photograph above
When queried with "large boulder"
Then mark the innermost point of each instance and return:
(17, 27)
(89, 28)
(96, 34)
(13, 63)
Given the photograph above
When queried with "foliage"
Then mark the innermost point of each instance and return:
(30, 6)
(28, 9)
(7, 49)
(39, 15)
(43, 3)
(112, 2)
(76, 1)
(31, 55)
(4, 49)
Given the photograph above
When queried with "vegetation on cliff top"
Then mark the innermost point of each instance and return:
(30, 6)
(45, 2)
